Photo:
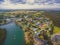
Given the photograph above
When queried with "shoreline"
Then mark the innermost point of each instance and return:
(2, 36)
(28, 36)
(5, 23)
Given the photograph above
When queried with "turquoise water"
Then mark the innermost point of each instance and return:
(15, 35)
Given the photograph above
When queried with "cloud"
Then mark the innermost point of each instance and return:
(29, 5)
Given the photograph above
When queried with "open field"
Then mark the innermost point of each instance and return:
(56, 30)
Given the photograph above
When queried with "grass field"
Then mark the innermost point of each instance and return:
(56, 30)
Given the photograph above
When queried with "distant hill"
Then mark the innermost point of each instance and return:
(9, 10)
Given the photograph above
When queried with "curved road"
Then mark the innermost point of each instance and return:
(15, 35)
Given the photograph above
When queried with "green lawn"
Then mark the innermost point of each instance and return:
(56, 29)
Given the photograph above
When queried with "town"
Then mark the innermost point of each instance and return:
(38, 28)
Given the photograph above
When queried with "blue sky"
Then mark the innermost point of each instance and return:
(57, 1)
(1, 0)
(29, 4)
(16, 1)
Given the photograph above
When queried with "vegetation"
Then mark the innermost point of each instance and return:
(2, 35)
(56, 30)
(31, 21)
(55, 16)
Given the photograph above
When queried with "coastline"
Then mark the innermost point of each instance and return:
(5, 23)
(28, 35)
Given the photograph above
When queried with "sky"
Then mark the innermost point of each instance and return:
(30, 4)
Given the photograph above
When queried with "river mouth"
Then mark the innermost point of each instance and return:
(15, 34)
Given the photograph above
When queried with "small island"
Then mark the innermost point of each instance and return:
(2, 35)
